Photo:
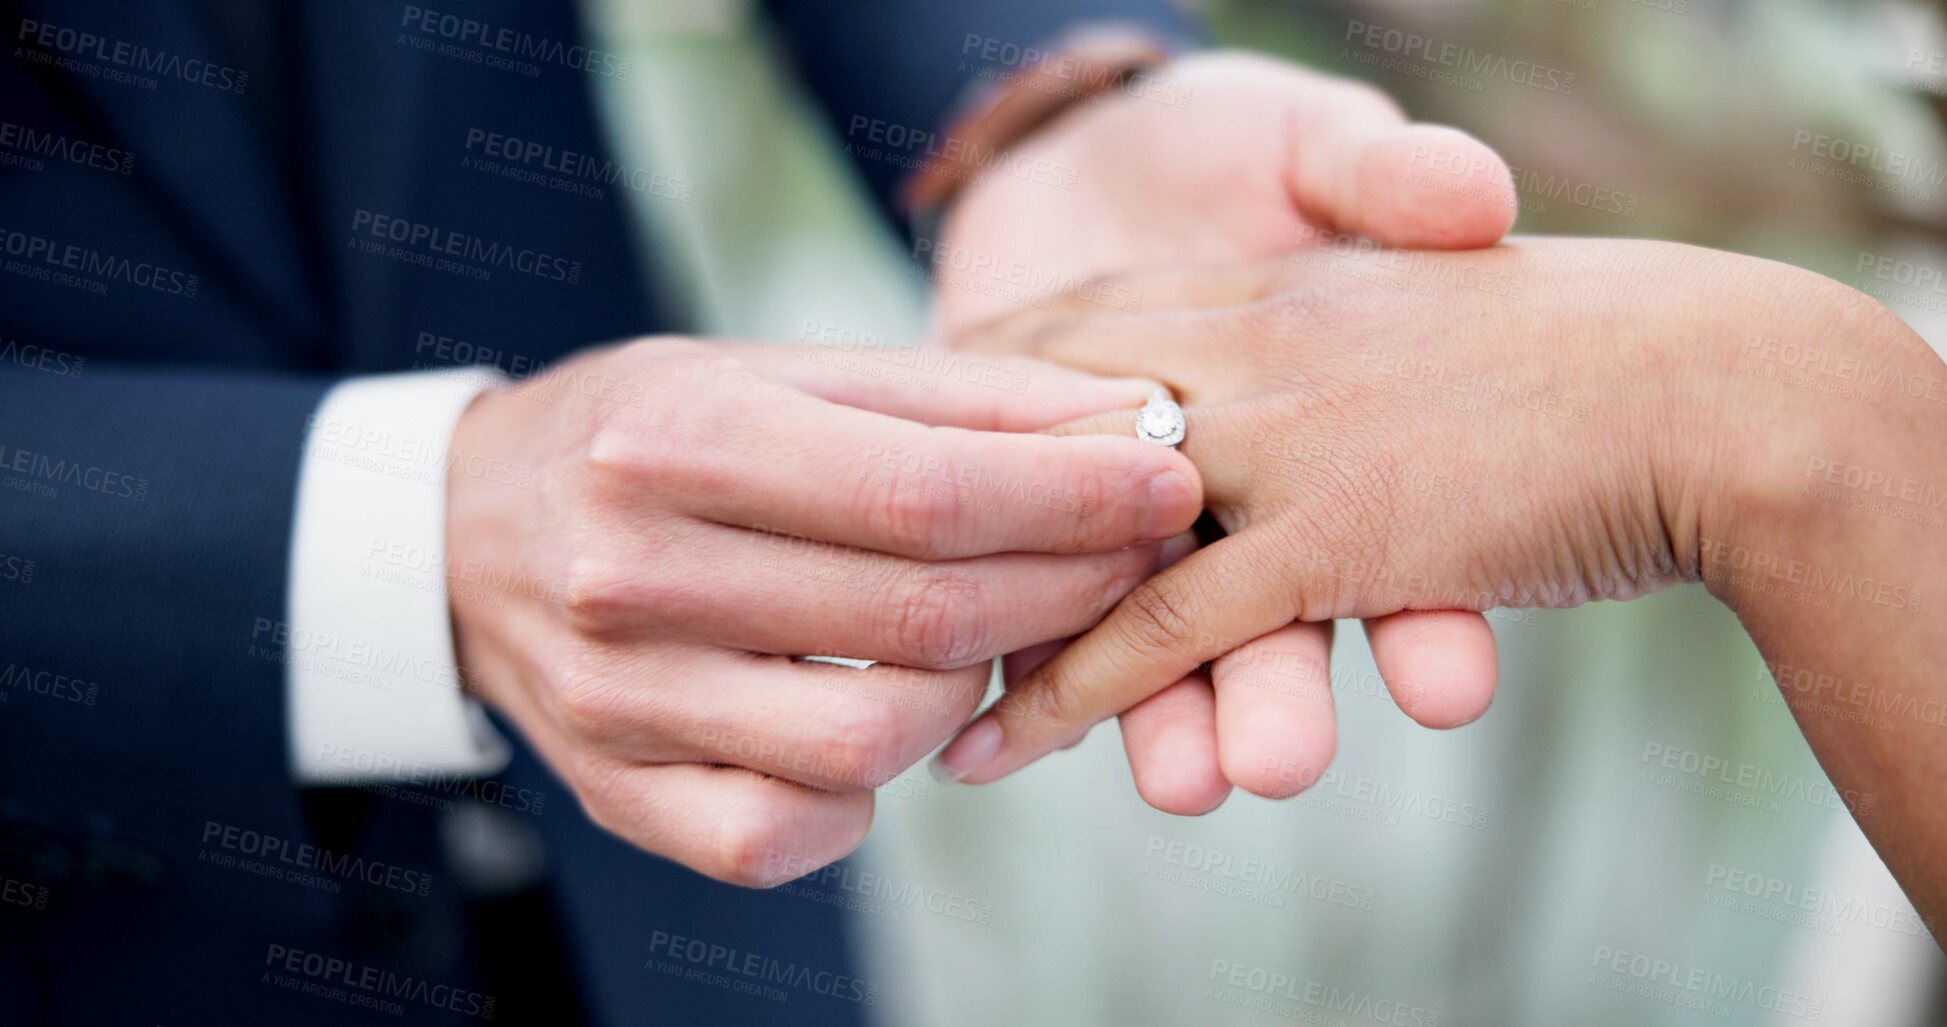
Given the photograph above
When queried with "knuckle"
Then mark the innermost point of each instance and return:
(751, 846)
(588, 699)
(619, 448)
(935, 625)
(1157, 620)
(1365, 97)
(598, 784)
(863, 744)
(1056, 703)
(599, 594)
(907, 513)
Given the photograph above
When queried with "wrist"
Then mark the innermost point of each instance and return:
(1808, 380)
(478, 524)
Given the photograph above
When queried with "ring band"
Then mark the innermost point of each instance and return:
(1160, 420)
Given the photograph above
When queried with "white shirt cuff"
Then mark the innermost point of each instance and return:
(371, 677)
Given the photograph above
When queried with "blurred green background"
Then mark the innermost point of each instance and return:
(1484, 876)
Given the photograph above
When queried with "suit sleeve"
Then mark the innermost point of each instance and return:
(891, 75)
(145, 523)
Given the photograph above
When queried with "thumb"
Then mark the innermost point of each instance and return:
(1360, 169)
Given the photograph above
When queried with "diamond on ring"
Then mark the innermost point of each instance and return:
(1160, 420)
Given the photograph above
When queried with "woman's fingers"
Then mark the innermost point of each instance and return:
(1439, 665)
(1170, 625)
(1171, 740)
(1275, 727)
(1419, 187)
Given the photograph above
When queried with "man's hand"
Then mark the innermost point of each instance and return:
(1224, 158)
(1542, 424)
(695, 516)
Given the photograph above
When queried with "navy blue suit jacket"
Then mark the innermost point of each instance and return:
(183, 184)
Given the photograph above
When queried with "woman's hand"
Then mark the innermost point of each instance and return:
(1548, 423)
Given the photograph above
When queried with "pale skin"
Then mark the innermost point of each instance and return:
(753, 504)
(1547, 423)
(713, 511)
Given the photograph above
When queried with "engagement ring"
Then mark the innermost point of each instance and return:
(1160, 420)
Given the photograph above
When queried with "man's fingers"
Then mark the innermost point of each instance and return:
(1171, 741)
(1439, 664)
(735, 825)
(1215, 600)
(732, 824)
(937, 386)
(1227, 472)
(782, 461)
(795, 597)
(829, 726)
(1275, 728)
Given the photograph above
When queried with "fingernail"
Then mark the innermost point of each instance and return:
(1172, 506)
(1178, 547)
(975, 747)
